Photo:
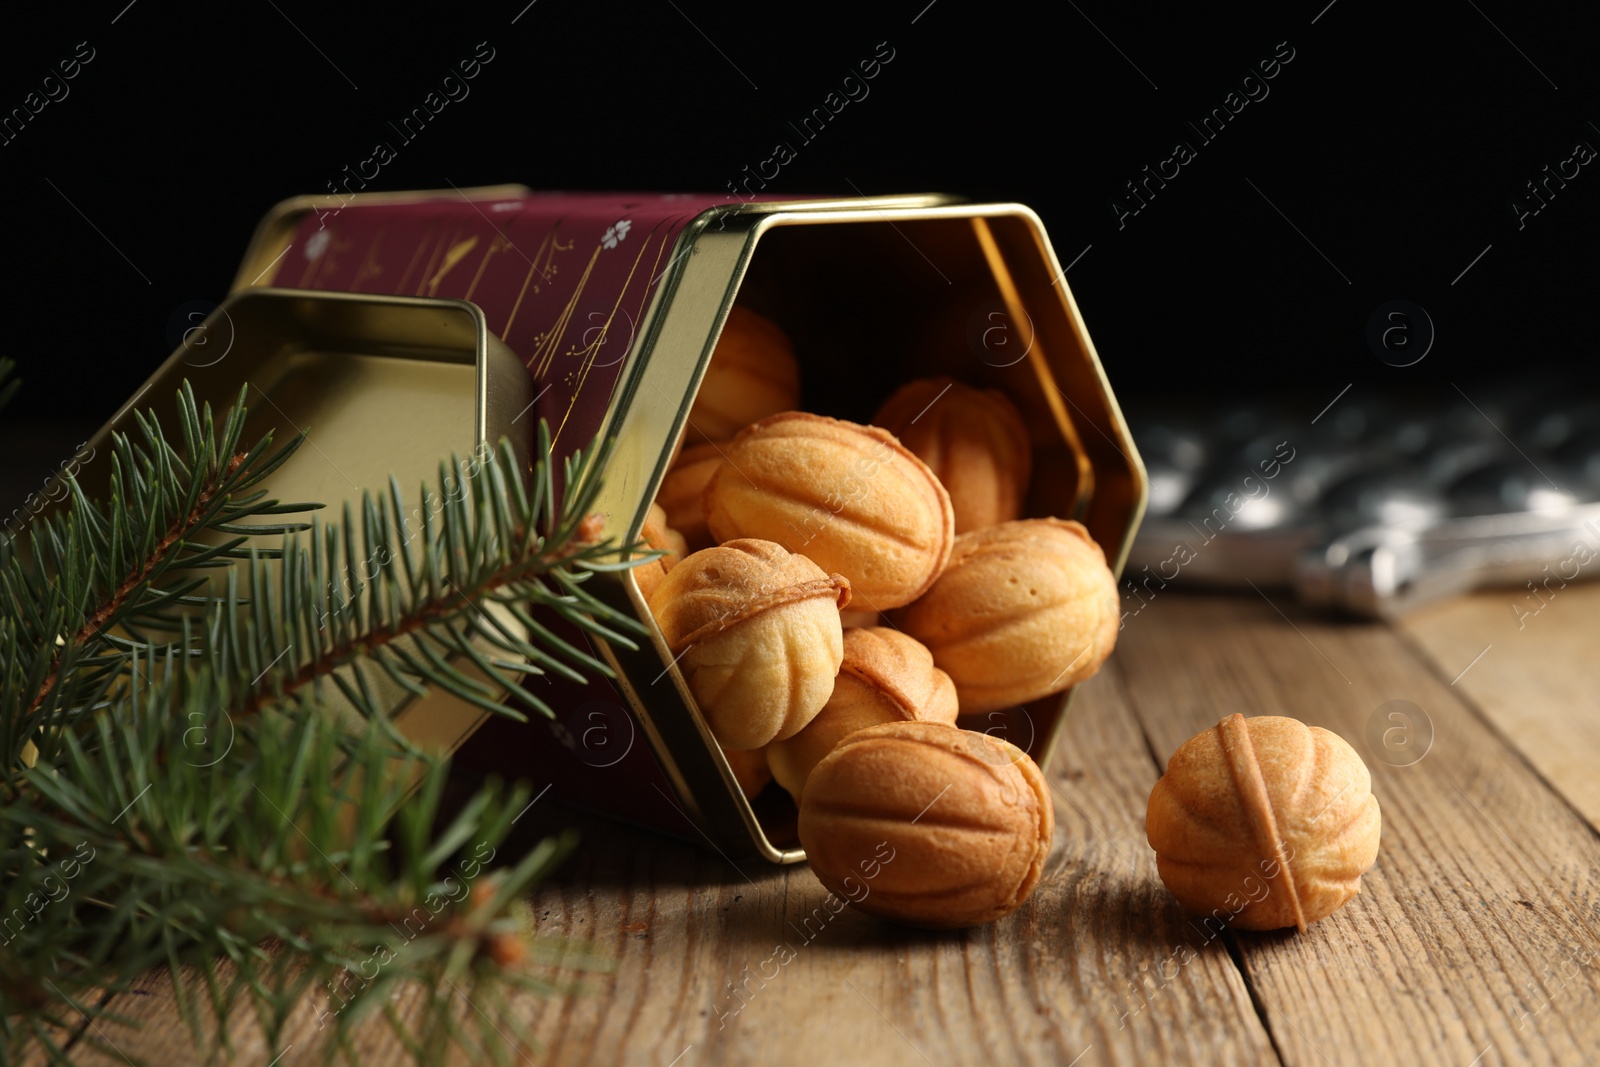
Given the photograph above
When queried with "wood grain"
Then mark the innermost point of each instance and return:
(1087, 969)
(1049, 984)
(1474, 938)
(1538, 681)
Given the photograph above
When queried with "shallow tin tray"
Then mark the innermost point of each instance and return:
(381, 384)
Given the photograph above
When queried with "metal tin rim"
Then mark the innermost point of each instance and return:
(740, 229)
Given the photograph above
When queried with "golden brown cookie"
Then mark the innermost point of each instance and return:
(925, 824)
(658, 535)
(1023, 609)
(1263, 823)
(754, 629)
(752, 374)
(856, 618)
(848, 496)
(750, 769)
(683, 488)
(973, 440)
(885, 677)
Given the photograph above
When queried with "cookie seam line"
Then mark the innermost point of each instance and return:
(1234, 733)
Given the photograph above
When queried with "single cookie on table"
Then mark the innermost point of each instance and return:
(754, 629)
(684, 487)
(658, 535)
(973, 440)
(1024, 609)
(928, 825)
(885, 677)
(752, 374)
(1263, 823)
(850, 497)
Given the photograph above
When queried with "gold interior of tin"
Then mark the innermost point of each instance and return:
(872, 299)
(381, 385)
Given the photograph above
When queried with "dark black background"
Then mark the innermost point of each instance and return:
(1395, 141)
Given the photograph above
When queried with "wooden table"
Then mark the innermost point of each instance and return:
(1474, 940)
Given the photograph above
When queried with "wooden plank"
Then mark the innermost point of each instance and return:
(1474, 938)
(1050, 984)
(152, 1031)
(1089, 970)
(1538, 678)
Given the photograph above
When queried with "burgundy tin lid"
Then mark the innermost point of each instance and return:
(563, 279)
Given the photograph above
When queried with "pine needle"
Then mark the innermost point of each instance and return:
(203, 771)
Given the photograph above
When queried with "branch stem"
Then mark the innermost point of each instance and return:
(430, 612)
(174, 536)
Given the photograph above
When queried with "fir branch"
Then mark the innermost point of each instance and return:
(101, 573)
(407, 609)
(278, 842)
(428, 614)
(171, 539)
(206, 868)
